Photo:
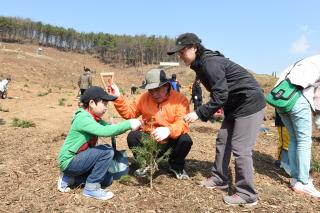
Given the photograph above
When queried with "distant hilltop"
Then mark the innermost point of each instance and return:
(110, 48)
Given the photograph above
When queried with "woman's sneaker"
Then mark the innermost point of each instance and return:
(99, 194)
(63, 183)
(292, 182)
(209, 183)
(236, 200)
(306, 188)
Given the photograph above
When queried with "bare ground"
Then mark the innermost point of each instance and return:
(28, 156)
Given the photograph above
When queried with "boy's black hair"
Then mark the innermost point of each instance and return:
(86, 104)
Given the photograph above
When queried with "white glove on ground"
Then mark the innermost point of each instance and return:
(115, 90)
(160, 133)
(191, 117)
(135, 124)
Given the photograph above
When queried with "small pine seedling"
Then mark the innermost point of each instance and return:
(147, 155)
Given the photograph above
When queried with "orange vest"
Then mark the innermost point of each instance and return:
(168, 113)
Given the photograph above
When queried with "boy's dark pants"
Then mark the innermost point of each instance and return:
(180, 147)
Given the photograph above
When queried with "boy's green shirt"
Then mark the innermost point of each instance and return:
(83, 128)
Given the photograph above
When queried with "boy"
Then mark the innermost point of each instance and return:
(284, 140)
(80, 160)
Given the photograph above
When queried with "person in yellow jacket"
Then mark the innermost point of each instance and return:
(162, 110)
(283, 145)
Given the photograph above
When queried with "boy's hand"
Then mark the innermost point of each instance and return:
(160, 133)
(135, 124)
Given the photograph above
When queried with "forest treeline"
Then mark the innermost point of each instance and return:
(110, 48)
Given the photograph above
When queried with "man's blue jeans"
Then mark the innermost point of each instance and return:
(91, 166)
(299, 124)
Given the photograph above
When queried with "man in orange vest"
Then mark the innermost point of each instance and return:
(162, 110)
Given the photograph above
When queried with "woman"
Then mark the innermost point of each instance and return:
(235, 90)
(305, 74)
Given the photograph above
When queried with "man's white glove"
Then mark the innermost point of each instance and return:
(191, 117)
(195, 97)
(160, 133)
(135, 123)
(115, 90)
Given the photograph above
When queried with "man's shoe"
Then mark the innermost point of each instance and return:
(142, 172)
(63, 183)
(180, 174)
(99, 194)
(306, 188)
(210, 184)
(236, 200)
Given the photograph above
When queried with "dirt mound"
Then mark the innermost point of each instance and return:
(44, 91)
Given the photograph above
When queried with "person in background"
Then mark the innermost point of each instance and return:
(304, 75)
(85, 80)
(4, 86)
(175, 83)
(196, 95)
(80, 159)
(162, 110)
(283, 159)
(235, 90)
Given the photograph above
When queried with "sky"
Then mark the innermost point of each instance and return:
(264, 36)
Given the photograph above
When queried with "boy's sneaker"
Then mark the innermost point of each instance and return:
(180, 174)
(306, 188)
(236, 200)
(210, 184)
(142, 172)
(99, 194)
(63, 183)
